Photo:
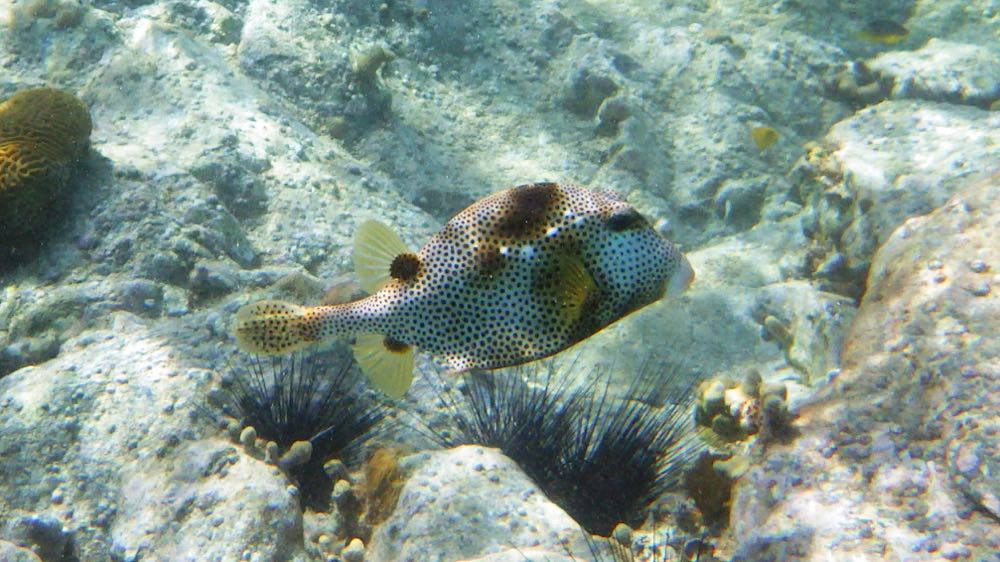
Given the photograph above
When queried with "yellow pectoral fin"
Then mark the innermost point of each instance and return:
(388, 364)
(574, 285)
(375, 246)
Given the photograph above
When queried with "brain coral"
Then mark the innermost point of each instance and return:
(43, 132)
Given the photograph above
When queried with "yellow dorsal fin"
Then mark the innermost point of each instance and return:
(574, 286)
(388, 364)
(271, 327)
(375, 246)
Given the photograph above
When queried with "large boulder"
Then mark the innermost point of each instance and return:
(894, 459)
(470, 503)
(890, 162)
(101, 457)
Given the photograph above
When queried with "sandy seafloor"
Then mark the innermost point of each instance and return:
(237, 145)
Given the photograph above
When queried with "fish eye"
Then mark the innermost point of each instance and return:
(625, 219)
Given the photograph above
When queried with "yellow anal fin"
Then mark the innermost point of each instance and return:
(375, 246)
(389, 364)
(271, 327)
(573, 286)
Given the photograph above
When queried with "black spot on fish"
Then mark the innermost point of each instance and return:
(310, 329)
(528, 207)
(404, 267)
(626, 220)
(395, 346)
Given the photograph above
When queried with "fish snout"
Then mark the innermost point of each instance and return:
(681, 278)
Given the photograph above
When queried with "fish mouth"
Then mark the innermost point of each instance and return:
(681, 279)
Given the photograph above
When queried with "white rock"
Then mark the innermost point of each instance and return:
(449, 511)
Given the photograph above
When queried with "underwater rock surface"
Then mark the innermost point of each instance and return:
(484, 498)
(237, 145)
(891, 161)
(898, 456)
(100, 442)
(943, 71)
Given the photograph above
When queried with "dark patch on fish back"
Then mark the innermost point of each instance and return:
(628, 219)
(405, 267)
(527, 208)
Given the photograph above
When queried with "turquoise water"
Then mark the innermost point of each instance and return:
(823, 389)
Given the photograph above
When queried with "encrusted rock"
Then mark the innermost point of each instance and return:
(943, 70)
(889, 162)
(734, 410)
(483, 510)
(10, 552)
(908, 428)
(125, 467)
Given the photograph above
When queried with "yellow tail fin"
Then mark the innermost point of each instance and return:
(375, 246)
(271, 327)
(388, 364)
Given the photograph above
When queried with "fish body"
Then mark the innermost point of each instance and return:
(764, 137)
(517, 276)
(884, 31)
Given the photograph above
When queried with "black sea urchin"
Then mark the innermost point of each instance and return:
(625, 453)
(529, 424)
(603, 460)
(310, 396)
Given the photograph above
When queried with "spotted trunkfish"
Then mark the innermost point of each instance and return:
(517, 276)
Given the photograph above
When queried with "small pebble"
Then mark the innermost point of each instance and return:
(979, 266)
(297, 455)
(248, 437)
(694, 548)
(335, 469)
(980, 289)
(714, 397)
(233, 429)
(354, 551)
(623, 534)
(341, 491)
(271, 452)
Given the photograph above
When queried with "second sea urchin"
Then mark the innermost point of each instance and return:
(602, 459)
(311, 397)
